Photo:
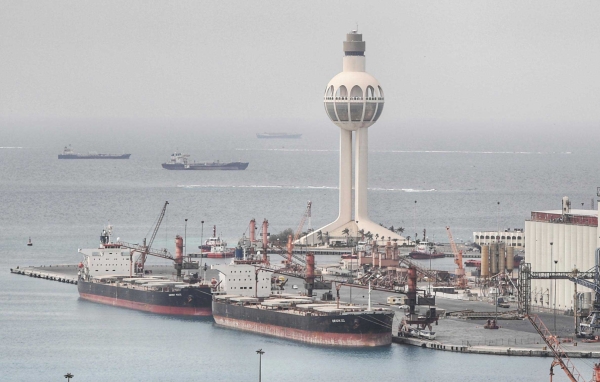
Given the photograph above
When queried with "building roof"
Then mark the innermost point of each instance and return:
(573, 212)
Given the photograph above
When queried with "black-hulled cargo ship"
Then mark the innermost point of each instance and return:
(249, 305)
(306, 321)
(68, 153)
(180, 162)
(108, 275)
(155, 295)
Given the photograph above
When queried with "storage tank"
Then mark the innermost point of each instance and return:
(239, 253)
(501, 257)
(510, 258)
(485, 261)
(494, 259)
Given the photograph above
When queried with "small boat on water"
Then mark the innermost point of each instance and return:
(180, 161)
(215, 247)
(29, 243)
(425, 250)
(278, 136)
(68, 153)
(473, 263)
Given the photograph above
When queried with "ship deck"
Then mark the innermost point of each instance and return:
(299, 305)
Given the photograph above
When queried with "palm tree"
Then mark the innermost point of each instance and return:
(362, 234)
(69, 376)
(327, 237)
(369, 235)
(320, 236)
(400, 230)
(392, 229)
(408, 239)
(346, 232)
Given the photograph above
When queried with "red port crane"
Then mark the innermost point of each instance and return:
(305, 215)
(560, 356)
(461, 281)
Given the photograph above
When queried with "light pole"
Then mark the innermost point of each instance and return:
(553, 297)
(185, 239)
(498, 223)
(201, 244)
(551, 280)
(68, 376)
(415, 218)
(556, 334)
(260, 352)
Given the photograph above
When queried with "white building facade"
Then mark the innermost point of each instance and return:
(512, 238)
(560, 241)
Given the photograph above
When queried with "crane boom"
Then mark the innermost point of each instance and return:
(460, 271)
(560, 357)
(305, 216)
(146, 248)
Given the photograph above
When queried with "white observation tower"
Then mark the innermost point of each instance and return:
(354, 101)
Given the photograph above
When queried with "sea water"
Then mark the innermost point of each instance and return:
(47, 331)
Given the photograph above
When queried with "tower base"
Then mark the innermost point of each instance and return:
(336, 231)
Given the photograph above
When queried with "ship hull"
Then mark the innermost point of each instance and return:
(99, 156)
(422, 255)
(193, 301)
(346, 330)
(207, 166)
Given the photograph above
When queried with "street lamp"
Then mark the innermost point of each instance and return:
(553, 288)
(201, 244)
(69, 376)
(185, 239)
(556, 334)
(260, 352)
(551, 280)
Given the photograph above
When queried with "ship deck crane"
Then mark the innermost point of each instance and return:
(144, 249)
(461, 281)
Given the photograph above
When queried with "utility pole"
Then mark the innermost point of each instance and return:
(185, 239)
(260, 352)
(556, 334)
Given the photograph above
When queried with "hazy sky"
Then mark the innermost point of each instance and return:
(454, 62)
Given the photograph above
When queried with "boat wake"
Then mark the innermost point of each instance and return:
(292, 187)
(292, 150)
(472, 152)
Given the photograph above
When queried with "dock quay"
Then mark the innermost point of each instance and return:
(460, 328)
(61, 273)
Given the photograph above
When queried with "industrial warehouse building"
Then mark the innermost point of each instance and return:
(559, 241)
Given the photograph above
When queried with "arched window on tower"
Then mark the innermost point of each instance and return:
(356, 108)
(379, 97)
(371, 105)
(329, 93)
(329, 108)
(341, 107)
(341, 93)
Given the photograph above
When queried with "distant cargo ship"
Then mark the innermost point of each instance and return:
(180, 162)
(69, 154)
(279, 135)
